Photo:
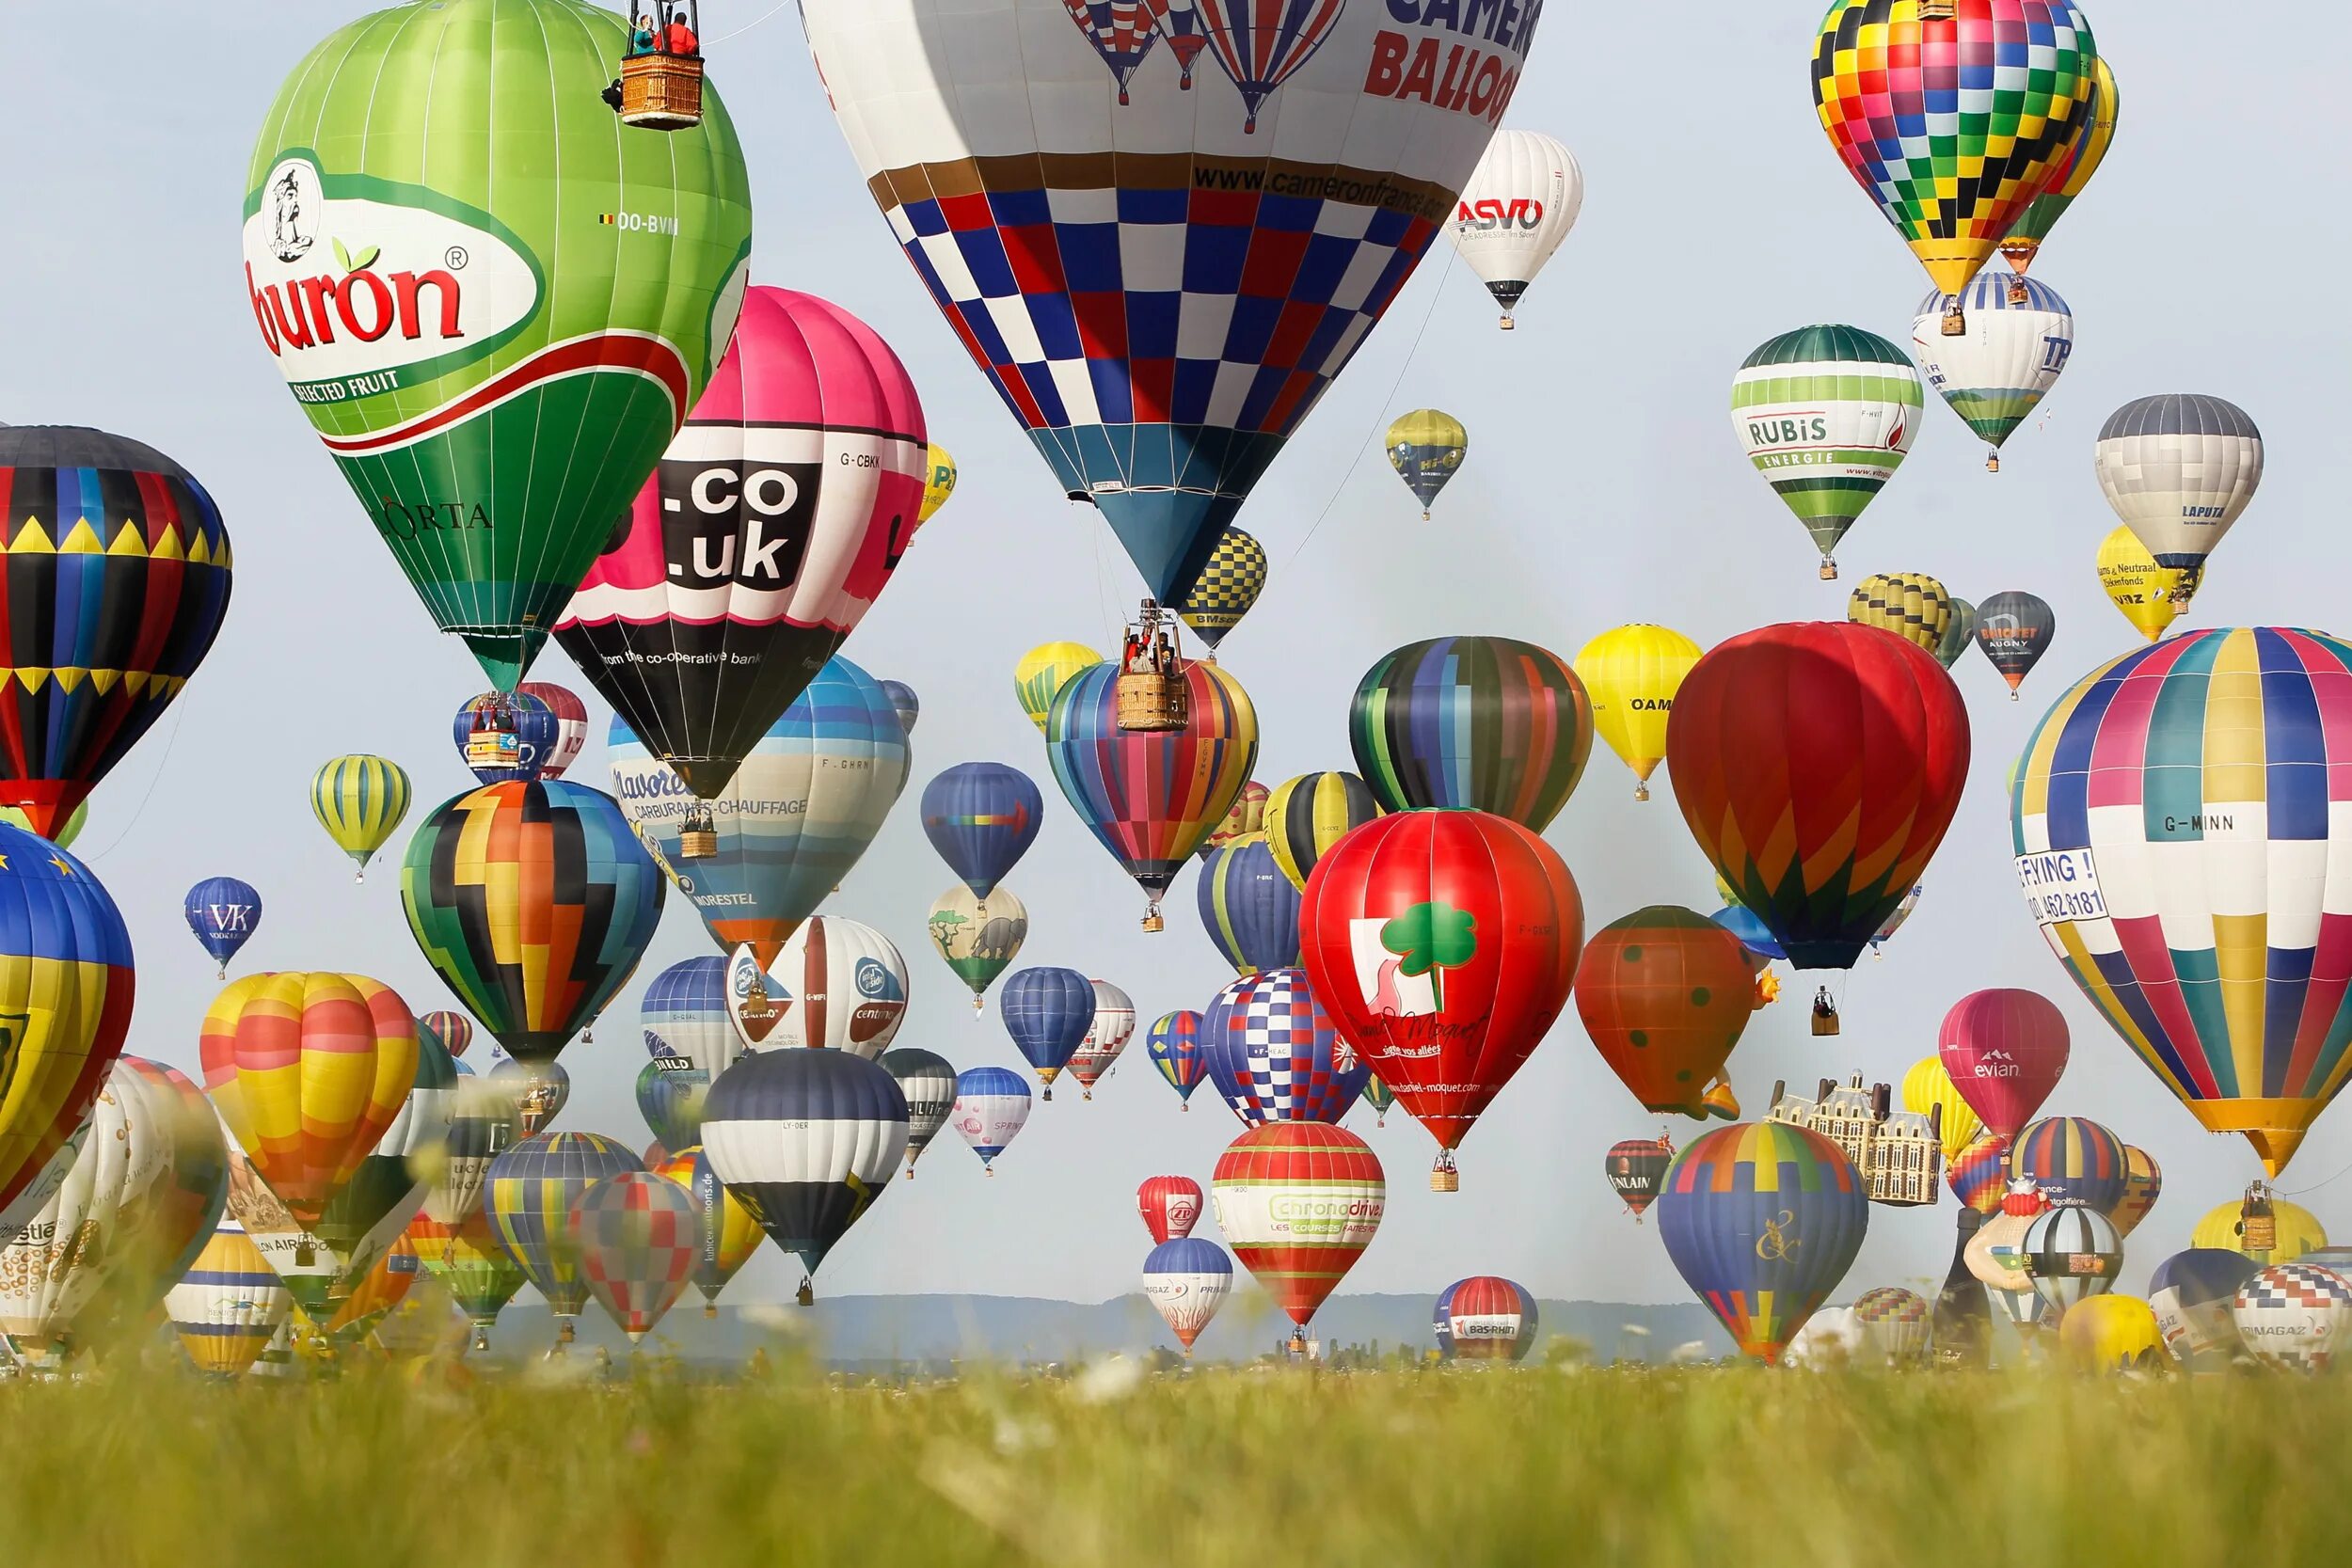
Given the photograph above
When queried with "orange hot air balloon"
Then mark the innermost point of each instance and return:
(1665, 993)
(309, 1071)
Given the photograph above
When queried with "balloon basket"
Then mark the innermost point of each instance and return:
(1153, 920)
(1509, 326)
(710, 1310)
(1049, 1095)
(1087, 1095)
(1425, 515)
(1443, 1178)
(481, 1338)
(1641, 791)
(1829, 570)
(1825, 1026)
(661, 92)
(563, 1332)
(1937, 10)
(1993, 462)
(697, 844)
(1955, 320)
(1153, 704)
(1186, 1106)
(2017, 294)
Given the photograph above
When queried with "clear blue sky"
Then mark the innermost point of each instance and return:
(1604, 486)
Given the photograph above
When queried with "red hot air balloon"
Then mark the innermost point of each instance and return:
(1299, 1201)
(1665, 993)
(1169, 1205)
(1443, 944)
(2006, 1050)
(1819, 765)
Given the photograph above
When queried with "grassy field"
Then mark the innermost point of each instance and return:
(1461, 1466)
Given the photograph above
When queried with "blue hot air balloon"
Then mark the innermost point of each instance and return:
(982, 816)
(1749, 927)
(905, 701)
(223, 912)
(1048, 1012)
(2076, 1162)
(1248, 907)
(530, 1192)
(1274, 1054)
(685, 1016)
(671, 1096)
(506, 735)
(1174, 1046)
(806, 1140)
(992, 1106)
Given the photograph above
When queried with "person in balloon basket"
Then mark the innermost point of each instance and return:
(680, 39)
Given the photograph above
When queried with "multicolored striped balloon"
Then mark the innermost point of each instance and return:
(533, 1187)
(1826, 414)
(468, 1258)
(2143, 1184)
(639, 1235)
(1488, 722)
(2177, 827)
(1978, 1175)
(2076, 1162)
(2082, 161)
(1762, 1220)
(1485, 1318)
(1299, 1201)
(453, 1029)
(1306, 816)
(1912, 604)
(1044, 671)
(1173, 1043)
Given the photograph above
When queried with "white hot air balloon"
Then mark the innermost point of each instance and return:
(841, 985)
(1521, 200)
(1994, 375)
(992, 1107)
(2179, 469)
(2293, 1315)
(229, 1305)
(2072, 1254)
(928, 1082)
(1188, 1278)
(1114, 1025)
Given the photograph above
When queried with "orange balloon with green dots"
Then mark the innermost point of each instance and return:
(1665, 993)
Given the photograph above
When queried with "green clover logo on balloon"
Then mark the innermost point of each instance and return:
(1430, 939)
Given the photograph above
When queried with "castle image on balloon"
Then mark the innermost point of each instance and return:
(1899, 1153)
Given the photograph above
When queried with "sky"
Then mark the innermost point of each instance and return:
(1604, 485)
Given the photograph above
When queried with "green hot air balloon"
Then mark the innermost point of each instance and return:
(495, 301)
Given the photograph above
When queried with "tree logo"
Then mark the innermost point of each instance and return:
(1401, 962)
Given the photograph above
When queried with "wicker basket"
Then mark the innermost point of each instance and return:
(1825, 1023)
(1445, 1179)
(697, 844)
(1152, 704)
(661, 92)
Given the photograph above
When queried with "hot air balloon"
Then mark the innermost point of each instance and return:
(1151, 798)
(1048, 1011)
(2191, 1293)
(992, 1107)
(843, 985)
(1272, 1051)
(928, 1082)
(1666, 996)
(1762, 1221)
(1633, 674)
(1979, 1174)
(1377, 1096)
(1170, 1206)
(2076, 1162)
(977, 946)
(360, 801)
(2072, 1254)
(792, 820)
(1160, 404)
(1306, 816)
(1521, 200)
(1995, 373)
(2143, 1184)
(806, 1140)
(2292, 1316)
(1484, 721)
(383, 1286)
(1894, 1324)
(1246, 819)
(2152, 597)
(495, 368)
(1226, 589)
(571, 724)
(363, 1223)
(454, 1030)
(1107, 1034)
(228, 1305)
(2150, 831)
(1044, 671)
(222, 914)
(2014, 631)
(2080, 161)
(939, 483)
(2007, 87)
(1959, 632)
(502, 736)
(1426, 448)
(638, 1235)
(1818, 766)
(534, 903)
(1485, 1318)
(480, 1274)
(670, 1096)
(1831, 1340)
(982, 816)
(1912, 604)
(2005, 1051)
(536, 1091)
(1748, 930)
(1929, 1090)
(684, 1016)
(768, 528)
(1995, 1256)
(2179, 469)
(725, 1235)
(1637, 1169)
(2111, 1334)
(115, 568)
(1299, 1201)
(904, 702)
(1443, 943)
(533, 1187)
(1188, 1277)
(1248, 907)
(1173, 1043)
(164, 1231)
(2295, 1231)
(1827, 414)
(482, 1121)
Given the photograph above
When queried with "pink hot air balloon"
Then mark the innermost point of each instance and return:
(2005, 1049)
(1170, 1204)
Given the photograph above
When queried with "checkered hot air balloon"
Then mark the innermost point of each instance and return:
(530, 1205)
(1894, 1324)
(2293, 1316)
(1227, 587)
(639, 1235)
(726, 1233)
(1275, 1055)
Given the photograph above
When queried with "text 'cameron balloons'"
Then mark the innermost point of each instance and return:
(1485, 1318)
(1521, 200)
(1953, 123)
(1173, 1043)
(532, 902)
(797, 812)
(1994, 375)
(1490, 722)
(768, 529)
(1158, 338)
(1762, 1221)
(1299, 1201)
(1273, 1053)
(2179, 469)
(1666, 996)
(808, 1140)
(1826, 414)
(2006, 1051)
(1818, 765)
(1304, 816)
(223, 913)
(2180, 821)
(1152, 798)
(1170, 1206)
(982, 816)
(2014, 631)
(1188, 1278)
(115, 571)
(1047, 1011)
(1443, 942)
(493, 362)
(1248, 907)
(992, 1107)
(2076, 1163)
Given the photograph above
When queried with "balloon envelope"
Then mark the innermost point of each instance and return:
(1762, 1221)
(1299, 1201)
(1248, 907)
(533, 1187)
(1488, 722)
(1521, 200)
(1827, 414)
(806, 1140)
(1666, 996)
(992, 1107)
(982, 816)
(1485, 1318)
(1274, 1054)
(223, 912)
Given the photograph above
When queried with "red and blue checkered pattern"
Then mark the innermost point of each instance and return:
(1274, 1054)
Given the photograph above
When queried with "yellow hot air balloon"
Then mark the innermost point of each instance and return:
(360, 801)
(1042, 671)
(2082, 162)
(2152, 597)
(1928, 1085)
(939, 483)
(2299, 1231)
(2111, 1334)
(1426, 448)
(1912, 604)
(1633, 674)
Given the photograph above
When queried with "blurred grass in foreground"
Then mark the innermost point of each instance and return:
(1734, 1469)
